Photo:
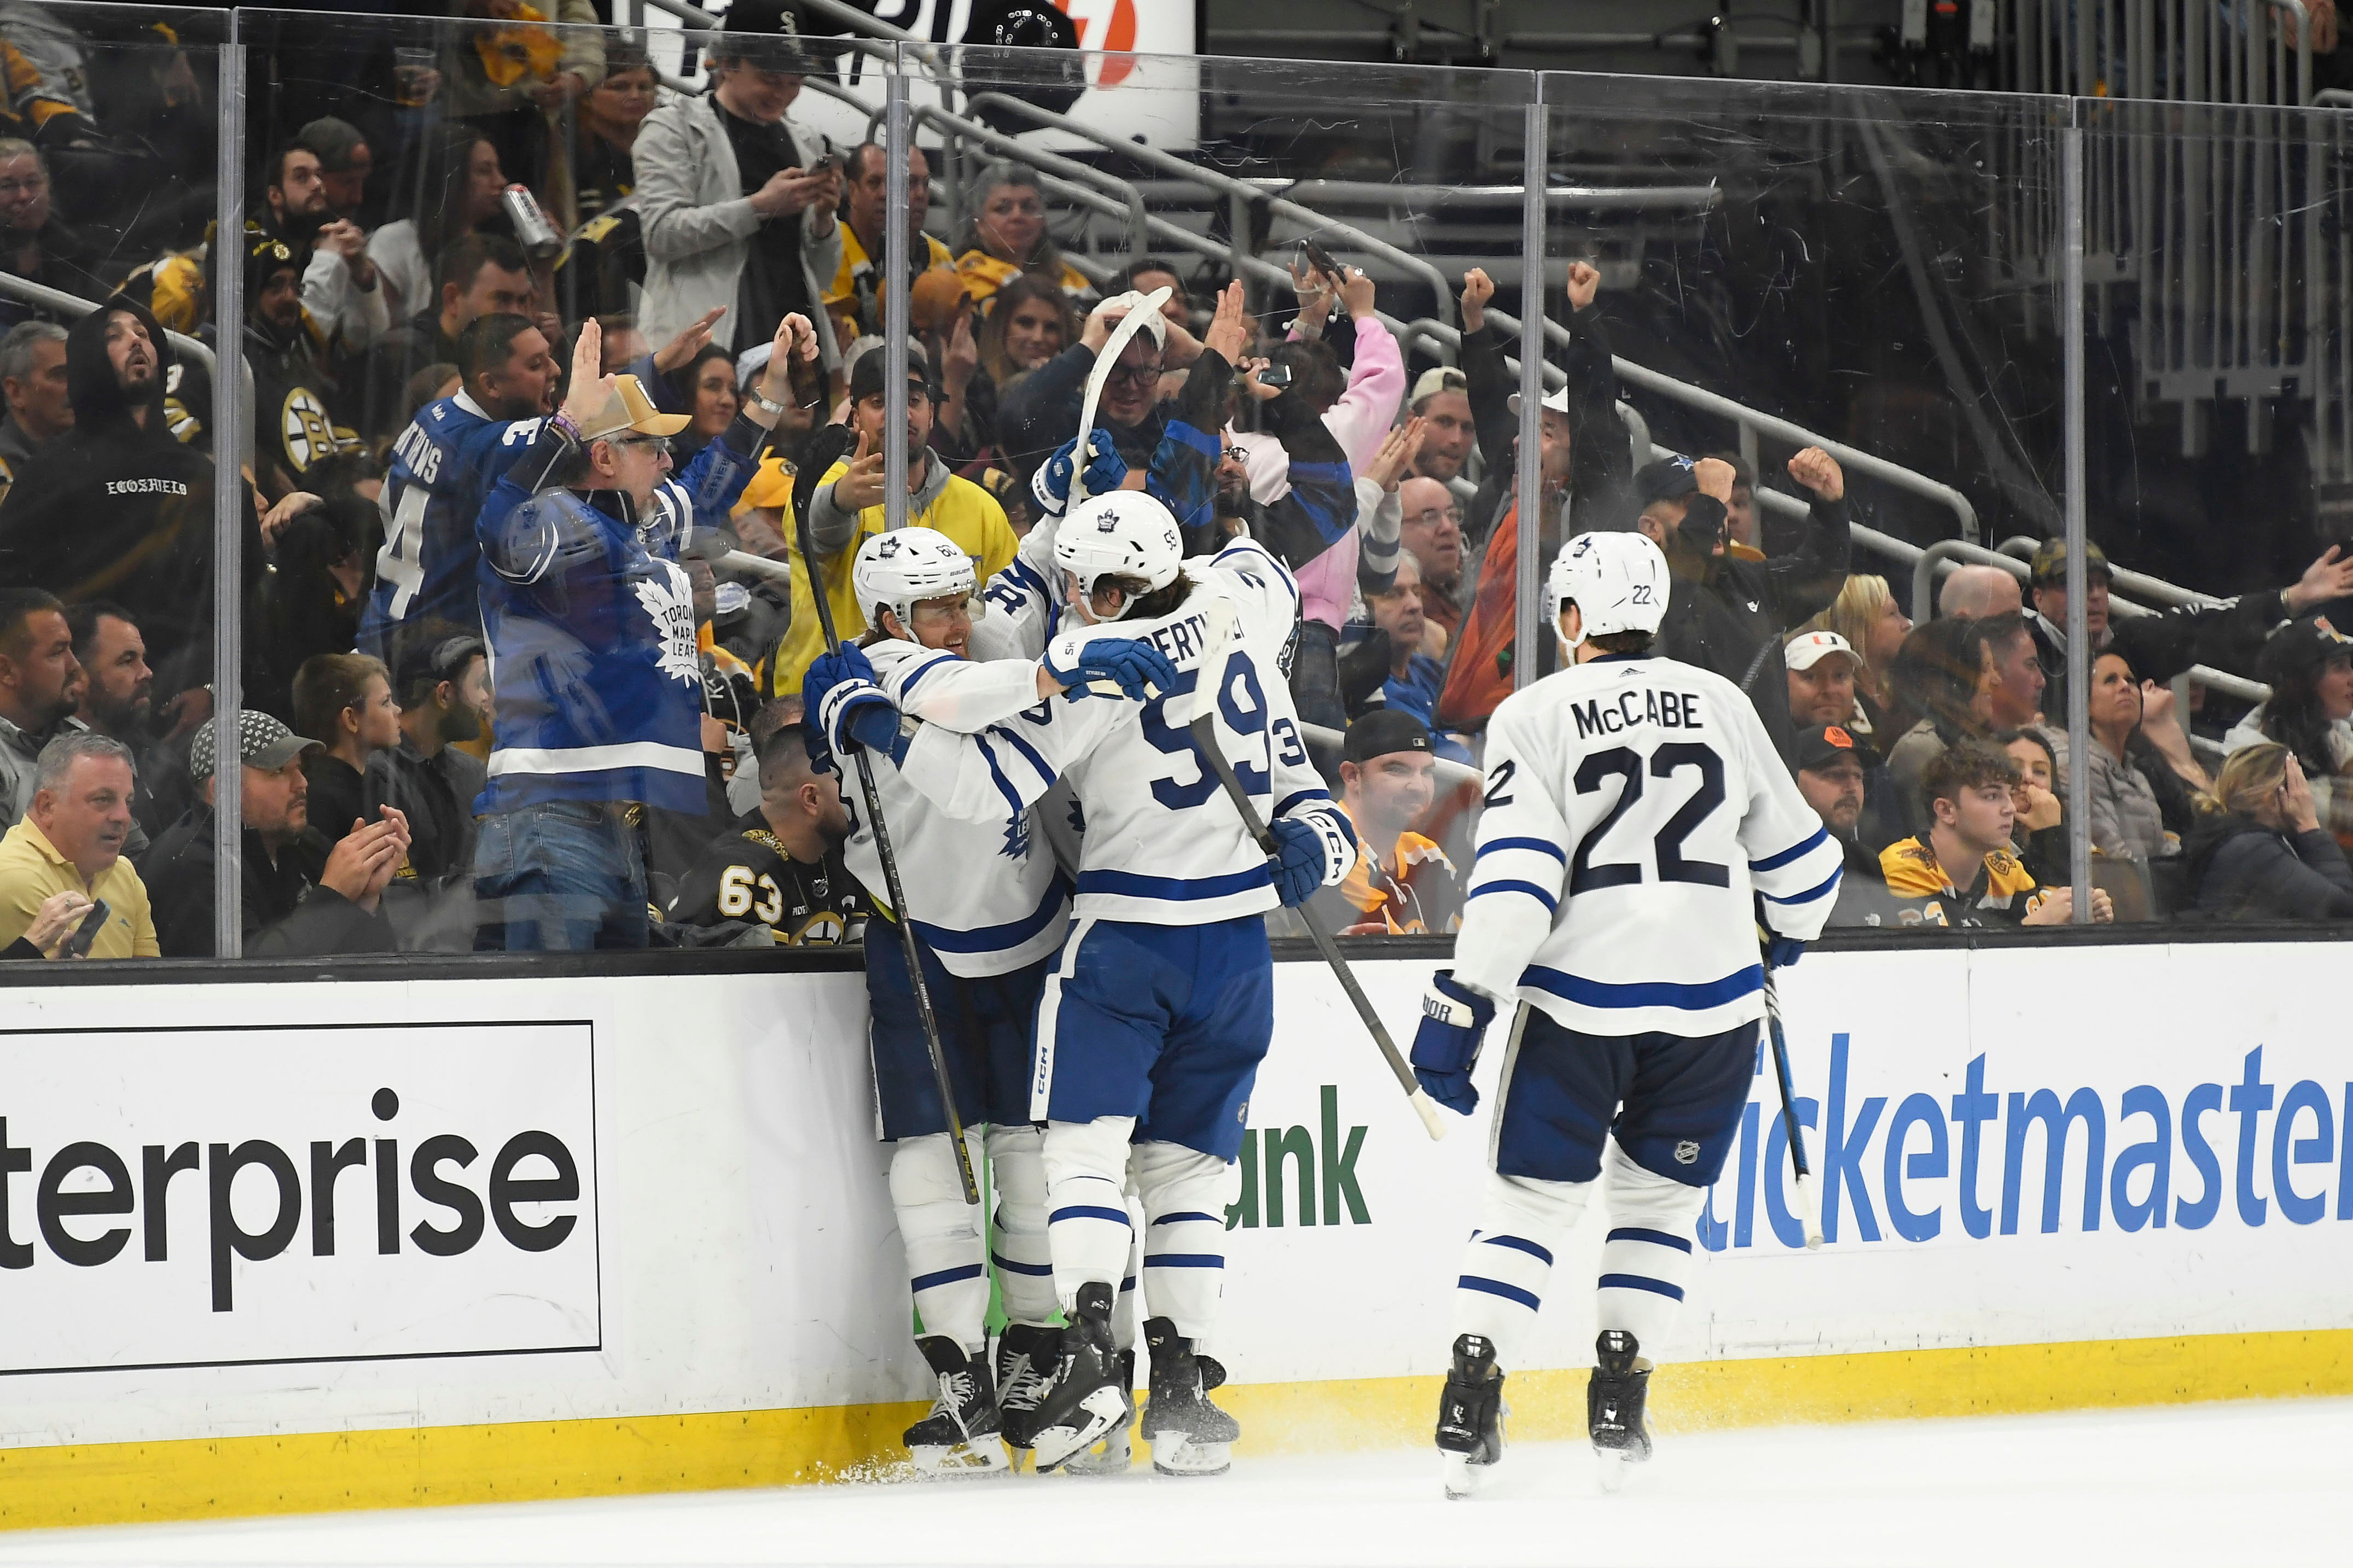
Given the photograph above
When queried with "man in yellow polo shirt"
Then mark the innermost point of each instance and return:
(70, 841)
(846, 505)
(854, 299)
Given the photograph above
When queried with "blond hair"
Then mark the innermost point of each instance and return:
(1861, 601)
(2249, 778)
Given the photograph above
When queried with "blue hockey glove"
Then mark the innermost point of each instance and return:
(1446, 1045)
(1106, 470)
(1782, 952)
(858, 714)
(829, 669)
(1140, 670)
(1313, 850)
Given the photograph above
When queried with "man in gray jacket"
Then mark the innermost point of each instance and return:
(737, 207)
(38, 674)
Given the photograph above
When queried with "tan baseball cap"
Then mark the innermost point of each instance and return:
(631, 409)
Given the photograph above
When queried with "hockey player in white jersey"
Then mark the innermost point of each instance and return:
(1638, 824)
(1160, 1007)
(989, 908)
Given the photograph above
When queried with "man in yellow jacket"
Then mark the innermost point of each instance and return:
(846, 505)
(70, 841)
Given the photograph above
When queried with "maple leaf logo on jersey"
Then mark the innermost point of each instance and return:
(669, 602)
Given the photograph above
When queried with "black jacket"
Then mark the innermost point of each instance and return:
(287, 913)
(2244, 870)
(115, 510)
(1733, 621)
(1601, 462)
(1040, 411)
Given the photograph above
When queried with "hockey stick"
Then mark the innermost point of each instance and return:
(824, 601)
(1113, 346)
(1207, 686)
(1810, 1213)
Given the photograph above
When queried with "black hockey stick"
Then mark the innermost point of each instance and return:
(883, 852)
(1810, 1213)
(1204, 740)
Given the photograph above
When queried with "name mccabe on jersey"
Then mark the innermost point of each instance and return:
(1611, 716)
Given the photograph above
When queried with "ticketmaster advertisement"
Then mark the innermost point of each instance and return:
(430, 1203)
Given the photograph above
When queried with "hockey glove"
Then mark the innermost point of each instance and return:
(1140, 670)
(1446, 1045)
(856, 713)
(1106, 471)
(1313, 850)
(1782, 952)
(829, 669)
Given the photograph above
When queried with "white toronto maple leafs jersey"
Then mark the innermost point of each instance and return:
(1636, 819)
(984, 891)
(1160, 843)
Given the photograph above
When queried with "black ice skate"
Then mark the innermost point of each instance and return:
(1613, 1405)
(1189, 1436)
(1026, 1354)
(1086, 1403)
(1471, 1415)
(960, 1437)
(1115, 1456)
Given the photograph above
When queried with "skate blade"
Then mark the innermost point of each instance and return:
(1115, 1456)
(1614, 1467)
(1462, 1477)
(1055, 1446)
(1175, 1454)
(981, 1457)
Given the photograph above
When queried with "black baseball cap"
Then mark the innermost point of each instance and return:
(2300, 645)
(1825, 744)
(1665, 479)
(1382, 732)
(867, 376)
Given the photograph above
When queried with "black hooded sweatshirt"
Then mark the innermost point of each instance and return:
(112, 511)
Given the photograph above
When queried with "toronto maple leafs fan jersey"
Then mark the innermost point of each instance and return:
(986, 896)
(1161, 845)
(442, 466)
(592, 657)
(1636, 819)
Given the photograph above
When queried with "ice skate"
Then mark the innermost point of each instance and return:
(1613, 1405)
(1189, 1436)
(1471, 1416)
(1115, 1454)
(961, 1436)
(1026, 1354)
(1086, 1402)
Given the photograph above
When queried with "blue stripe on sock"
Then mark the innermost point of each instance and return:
(1180, 1218)
(944, 1277)
(1088, 1211)
(1497, 1288)
(1036, 1270)
(1655, 1237)
(1519, 1244)
(1183, 1260)
(1641, 1282)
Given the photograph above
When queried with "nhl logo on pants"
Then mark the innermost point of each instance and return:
(1687, 1153)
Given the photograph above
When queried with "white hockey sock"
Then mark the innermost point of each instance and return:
(946, 1265)
(1025, 1268)
(1185, 1197)
(1509, 1258)
(1647, 1259)
(1087, 1227)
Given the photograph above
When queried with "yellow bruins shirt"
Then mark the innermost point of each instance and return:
(984, 274)
(2003, 892)
(1420, 898)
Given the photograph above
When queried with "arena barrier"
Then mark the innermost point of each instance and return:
(566, 1236)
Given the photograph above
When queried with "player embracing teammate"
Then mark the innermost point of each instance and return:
(1638, 828)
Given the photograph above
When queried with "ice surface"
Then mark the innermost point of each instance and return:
(2217, 1484)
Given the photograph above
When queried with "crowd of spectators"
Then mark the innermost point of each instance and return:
(526, 380)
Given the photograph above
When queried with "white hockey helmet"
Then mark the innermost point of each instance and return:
(897, 570)
(1618, 582)
(1125, 533)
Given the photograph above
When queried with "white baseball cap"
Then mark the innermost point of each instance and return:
(1809, 648)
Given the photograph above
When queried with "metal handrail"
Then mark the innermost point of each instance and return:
(2303, 45)
(1139, 220)
(1230, 186)
(1740, 414)
(2137, 584)
(706, 25)
(1597, 198)
(76, 306)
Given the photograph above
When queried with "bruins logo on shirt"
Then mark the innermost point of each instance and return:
(305, 430)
